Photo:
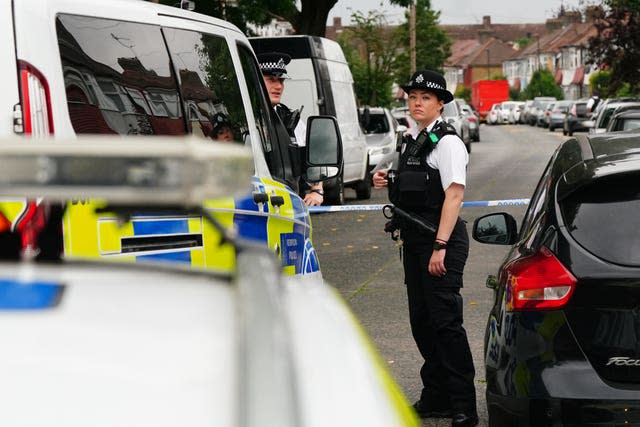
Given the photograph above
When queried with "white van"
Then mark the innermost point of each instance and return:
(321, 82)
(123, 67)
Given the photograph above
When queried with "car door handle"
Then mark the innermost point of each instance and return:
(259, 197)
(277, 201)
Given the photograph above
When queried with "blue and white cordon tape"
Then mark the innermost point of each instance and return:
(472, 204)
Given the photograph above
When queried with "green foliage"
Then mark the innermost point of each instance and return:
(515, 94)
(617, 45)
(463, 92)
(373, 69)
(310, 19)
(498, 77)
(599, 83)
(542, 84)
(523, 42)
(433, 46)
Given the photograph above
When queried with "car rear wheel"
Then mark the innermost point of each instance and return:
(363, 188)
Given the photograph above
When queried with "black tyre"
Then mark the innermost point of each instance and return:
(551, 128)
(363, 188)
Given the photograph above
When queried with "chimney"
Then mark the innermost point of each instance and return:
(486, 21)
(337, 23)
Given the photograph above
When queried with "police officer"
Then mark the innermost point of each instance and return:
(429, 184)
(274, 72)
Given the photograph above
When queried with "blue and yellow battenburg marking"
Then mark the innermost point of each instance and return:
(286, 230)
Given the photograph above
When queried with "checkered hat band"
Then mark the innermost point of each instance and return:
(271, 66)
(430, 85)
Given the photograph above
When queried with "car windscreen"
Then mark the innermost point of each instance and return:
(378, 123)
(603, 218)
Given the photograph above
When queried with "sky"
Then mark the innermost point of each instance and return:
(461, 11)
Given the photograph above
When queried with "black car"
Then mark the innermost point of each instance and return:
(624, 120)
(562, 343)
(577, 119)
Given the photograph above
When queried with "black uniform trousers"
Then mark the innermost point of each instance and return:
(435, 311)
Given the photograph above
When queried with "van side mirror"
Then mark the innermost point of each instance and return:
(496, 229)
(401, 129)
(324, 149)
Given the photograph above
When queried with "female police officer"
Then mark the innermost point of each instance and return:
(429, 183)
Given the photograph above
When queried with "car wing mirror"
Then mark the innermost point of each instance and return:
(323, 158)
(496, 229)
(401, 129)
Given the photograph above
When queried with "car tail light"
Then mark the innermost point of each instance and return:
(538, 282)
(36, 101)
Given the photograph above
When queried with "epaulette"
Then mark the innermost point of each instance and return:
(441, 129)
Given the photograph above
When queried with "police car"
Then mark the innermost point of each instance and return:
(166, 344)
(133, 67)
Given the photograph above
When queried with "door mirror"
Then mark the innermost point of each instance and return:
(497, 229)
(401, 129)
(324, 149)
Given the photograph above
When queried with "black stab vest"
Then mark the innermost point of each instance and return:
(417, 187)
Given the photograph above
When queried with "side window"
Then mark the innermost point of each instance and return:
(118, 77)
(537, 205)
(209, 85)
(259, 102)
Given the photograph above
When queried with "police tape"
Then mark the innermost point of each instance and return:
(471, 204)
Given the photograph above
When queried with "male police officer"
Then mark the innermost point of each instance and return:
(429, 184)
(274, 72)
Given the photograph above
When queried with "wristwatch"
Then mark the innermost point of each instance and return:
(439, 245)
(317, 190)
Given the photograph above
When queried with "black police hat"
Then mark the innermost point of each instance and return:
(274, 64)
(430, 81)
(219, 121)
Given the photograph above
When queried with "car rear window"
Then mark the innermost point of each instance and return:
(603, 218)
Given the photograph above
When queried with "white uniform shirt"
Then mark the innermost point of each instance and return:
(450, 157)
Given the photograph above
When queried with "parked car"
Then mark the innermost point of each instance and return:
(320, 81)
(537, 109)
(162, 344)
(493, 118)
(524, 116)
(541, 112)
(561, 341)
(453, 115)
(506, 110)
(515, 113)
(607, 108)
(557, 114)
(625, 120)
(138, 68)
(473, 120)
(577, 118)
(380, 130)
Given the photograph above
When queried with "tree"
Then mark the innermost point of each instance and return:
(370, 50)
(311, 19)
(433, 47)
(617, 45)
(542, 84)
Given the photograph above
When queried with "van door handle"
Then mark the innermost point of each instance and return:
(259, 197)
(277, 201)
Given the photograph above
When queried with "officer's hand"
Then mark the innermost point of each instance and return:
(380, 179)
(313, 199)
(436, 263)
